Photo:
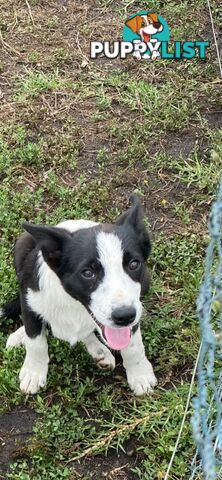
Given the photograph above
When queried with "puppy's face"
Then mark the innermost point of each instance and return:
(145, 25)
(103, 267)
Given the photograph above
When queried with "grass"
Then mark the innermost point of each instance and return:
(76, 138)
(37, 83)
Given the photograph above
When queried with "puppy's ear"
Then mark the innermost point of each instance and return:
(134, 217)
(50, 240)
(133, 23)
(153, 17)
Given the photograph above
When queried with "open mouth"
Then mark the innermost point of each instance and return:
(116, 338)
(146, 37)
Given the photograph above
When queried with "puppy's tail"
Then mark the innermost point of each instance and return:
(11, 310)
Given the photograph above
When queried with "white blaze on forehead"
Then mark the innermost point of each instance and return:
(110, 251)
(145, 18)
(117, 288)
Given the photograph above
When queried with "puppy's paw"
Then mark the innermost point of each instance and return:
(16, 338)
(155, 55)
(141, 378)
(137, 55)
(105, 359)
(32, 379)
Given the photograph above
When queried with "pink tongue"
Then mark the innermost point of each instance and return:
(146, 37)
(117, 338)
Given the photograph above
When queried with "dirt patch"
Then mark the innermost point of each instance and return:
(185, 143)
(115, 466)
(15, 430)
(214, 119)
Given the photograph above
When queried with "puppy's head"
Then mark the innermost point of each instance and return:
(104, 268)
(145, 25)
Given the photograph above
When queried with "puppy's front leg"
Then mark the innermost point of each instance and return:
(139, 370)
(100, 353)
(34, 371)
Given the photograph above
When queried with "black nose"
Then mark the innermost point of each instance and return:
(123, 316)
(157, 24)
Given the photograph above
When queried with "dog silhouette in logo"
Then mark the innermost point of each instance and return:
(145, 26)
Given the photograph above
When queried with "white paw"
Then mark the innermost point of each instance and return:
(16, 338)
(141, 378)
(31, 379)
(146, 55)
(105, 359)
(155, 55)
(137, 55)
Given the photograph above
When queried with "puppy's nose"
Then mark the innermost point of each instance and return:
(157, 24)
(123, 316)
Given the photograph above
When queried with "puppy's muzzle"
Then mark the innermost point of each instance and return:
(123, 316)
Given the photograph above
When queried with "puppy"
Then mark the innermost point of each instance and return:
(80, 278)
(145, 26)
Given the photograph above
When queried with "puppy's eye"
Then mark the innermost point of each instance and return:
(134, 264)
(143, 24)
(88, 273)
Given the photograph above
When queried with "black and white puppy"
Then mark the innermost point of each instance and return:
(78, 278)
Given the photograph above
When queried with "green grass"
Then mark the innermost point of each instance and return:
(37, 83)
(76, 139)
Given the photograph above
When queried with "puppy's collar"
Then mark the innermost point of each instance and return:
(93, 316)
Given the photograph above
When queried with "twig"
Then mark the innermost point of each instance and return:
(113, 434)
(79, 48)
(115, 470)
(15, 22)
(7, 46)
(215, 38)
(30, 12)
(127, 5)
(47, 103)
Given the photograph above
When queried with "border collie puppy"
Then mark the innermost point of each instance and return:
(80, 278)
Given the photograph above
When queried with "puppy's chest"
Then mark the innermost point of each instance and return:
(67, 318)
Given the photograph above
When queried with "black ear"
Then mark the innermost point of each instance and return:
(134, 215)
(135, 218)
(50, 240)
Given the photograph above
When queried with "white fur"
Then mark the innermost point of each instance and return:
(16, 338)
(74, 225)
(67, 317)
(33, 373)
(117, 287)
(139, 370)
(100, 353)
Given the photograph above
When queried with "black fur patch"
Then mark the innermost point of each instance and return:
(80, 253)
(33, 322)
(69, 254)
(12, 310)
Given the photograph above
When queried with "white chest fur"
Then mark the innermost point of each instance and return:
(67, 317)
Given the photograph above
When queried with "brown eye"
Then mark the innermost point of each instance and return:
(143, 24)
(134, 264)
(88, 274)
